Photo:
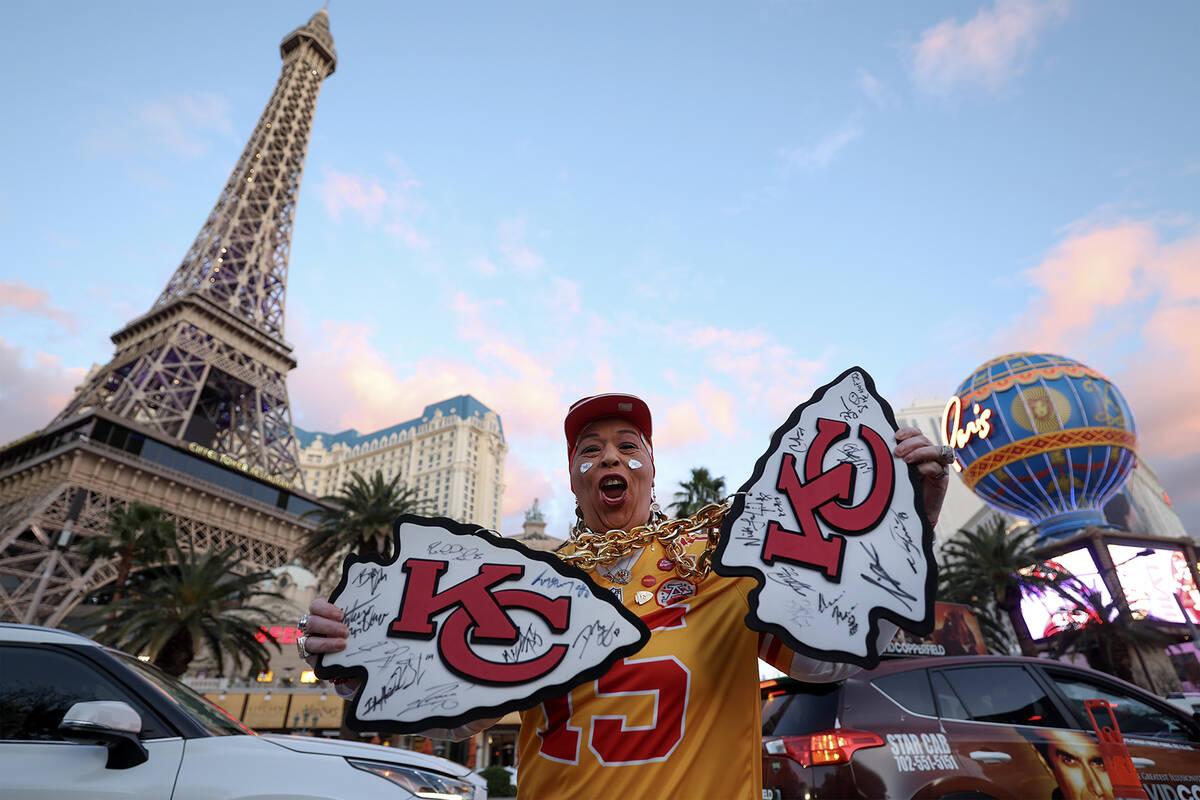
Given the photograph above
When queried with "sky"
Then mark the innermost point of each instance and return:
(715, 206)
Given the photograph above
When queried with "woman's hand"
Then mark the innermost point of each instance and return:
(929, 459)
(324, 631)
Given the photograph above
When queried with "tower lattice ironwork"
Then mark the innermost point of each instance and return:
(207, 363)
(191, 414)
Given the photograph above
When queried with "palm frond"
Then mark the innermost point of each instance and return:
(201, 600)
(359, 518)
(698, 491)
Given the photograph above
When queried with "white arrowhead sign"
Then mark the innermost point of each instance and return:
(462, 624)
(831, 527)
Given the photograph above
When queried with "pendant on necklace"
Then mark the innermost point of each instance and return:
(621, 576)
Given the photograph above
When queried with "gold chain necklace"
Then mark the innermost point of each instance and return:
(595, 549)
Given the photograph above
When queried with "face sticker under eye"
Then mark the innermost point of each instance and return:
(635, 464)
(584, 467)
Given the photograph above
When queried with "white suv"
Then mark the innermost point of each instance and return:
(78, 720)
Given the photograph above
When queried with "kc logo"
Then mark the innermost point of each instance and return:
(478, 616)
(823, 494)
(458, 624)
(831, 528)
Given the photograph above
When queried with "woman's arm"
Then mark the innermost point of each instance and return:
(815, 670)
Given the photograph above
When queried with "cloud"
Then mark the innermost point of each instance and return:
(563, 296)
(341, 190)
(681, 425)
(602, 377)
(713, 411)
(767, 374)
(344, 381)
(718, 407)
(473, 314)
(183, 121)
(819, 154)
(484, 266)
(725, 338)
(1127, 303)
(393, 202)
(1087, 275)
(875, 90)
(32, 389)
(990, 49)
(523, 484)
(511, 234)
(185, 124)
(28, 300)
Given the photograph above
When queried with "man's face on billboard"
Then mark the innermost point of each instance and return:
(1077, 766)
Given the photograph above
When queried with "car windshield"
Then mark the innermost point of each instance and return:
(212, 719)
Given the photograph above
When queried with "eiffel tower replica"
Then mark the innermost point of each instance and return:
(191, 414)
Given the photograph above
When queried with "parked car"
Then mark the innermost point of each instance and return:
(79, 720)
(1188, 701)
(973, 727)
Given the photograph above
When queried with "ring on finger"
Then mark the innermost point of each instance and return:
(946, 455)
(302, 624)
(301, 649)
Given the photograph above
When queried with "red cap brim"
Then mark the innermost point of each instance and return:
(602, 406)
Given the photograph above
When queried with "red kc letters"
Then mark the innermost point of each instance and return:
(823, 495)
(478, 617)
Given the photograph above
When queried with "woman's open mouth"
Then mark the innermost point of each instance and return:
(613, 489)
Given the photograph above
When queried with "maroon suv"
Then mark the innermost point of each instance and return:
(968, 728)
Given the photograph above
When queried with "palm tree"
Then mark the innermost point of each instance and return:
(360, 518)
(137, 534)
(989, 570)
(1107, 638)
(199, 600)
(698, 492)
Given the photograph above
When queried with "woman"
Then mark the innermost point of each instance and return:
(681, 718)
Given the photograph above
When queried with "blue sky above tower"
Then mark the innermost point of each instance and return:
(715, 206)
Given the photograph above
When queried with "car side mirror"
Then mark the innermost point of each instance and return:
(112, 723)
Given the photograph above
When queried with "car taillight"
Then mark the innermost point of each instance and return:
(829, 747)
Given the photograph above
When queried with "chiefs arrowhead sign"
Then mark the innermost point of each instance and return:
(831, 527)
(462, 624)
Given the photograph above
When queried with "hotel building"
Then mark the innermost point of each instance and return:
(453, 454)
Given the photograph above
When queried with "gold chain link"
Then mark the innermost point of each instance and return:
(595, 549)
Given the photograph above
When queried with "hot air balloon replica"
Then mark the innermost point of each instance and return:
(1050, 440)
(1042, 437)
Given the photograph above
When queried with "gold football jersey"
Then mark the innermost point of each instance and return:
(681, 718)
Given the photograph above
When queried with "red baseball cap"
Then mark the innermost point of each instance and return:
(600, 406)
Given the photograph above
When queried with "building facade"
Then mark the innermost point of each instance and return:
(453, 455)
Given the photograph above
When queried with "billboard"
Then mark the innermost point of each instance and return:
(955, 633)
(1152, 578)
(1047, 613)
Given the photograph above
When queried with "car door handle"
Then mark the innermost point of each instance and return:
(990, 757)
(1142, 763)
